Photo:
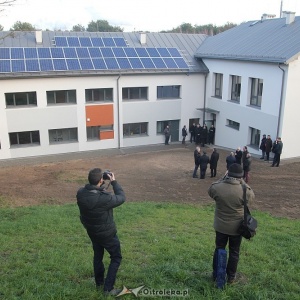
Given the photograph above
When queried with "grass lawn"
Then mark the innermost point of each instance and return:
(45, 253)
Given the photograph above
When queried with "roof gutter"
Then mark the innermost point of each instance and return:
(118, 112)
(281, 100)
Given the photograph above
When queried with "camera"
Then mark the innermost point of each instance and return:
(105, 175)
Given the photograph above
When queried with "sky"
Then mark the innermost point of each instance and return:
(139, 15)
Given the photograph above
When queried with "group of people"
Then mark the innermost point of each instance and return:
(202, 160)
(267, 146)
(201, 135)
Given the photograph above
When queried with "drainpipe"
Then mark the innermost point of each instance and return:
(281, 99)
(118, 112)
(204, 105)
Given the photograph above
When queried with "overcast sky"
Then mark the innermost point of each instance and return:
(140, 15)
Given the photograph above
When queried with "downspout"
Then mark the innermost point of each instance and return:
(204, 105)
(118, 112)
(281, 99)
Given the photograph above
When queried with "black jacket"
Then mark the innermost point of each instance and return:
(203, 161)
(96, 209)
(214, 160)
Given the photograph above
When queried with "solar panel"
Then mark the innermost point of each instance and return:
(142, 52)
(30, 52)
(85, 42)
(174, 52)
(153, 52)
(32, 65)
(120, 42)
(82, 52)
(95, 52)
(170, 63)
(181, 63)
(163, 52)
(18, 65)
(73, 41)
(111, 63)
(97, 42)
(107, 52)
(86, 64)
(46, 64)
(147, 63)
(5, 66)
(17, 53)
(73, 64)
(59, 64)
(70, 52)
(44, 53)
(108, 42)
(57, 52)
(4, 53)
(124, 63)
(136, 63)
(159, 63)
(61, 41)
(118, 52)
(99, 64)
(130, 52)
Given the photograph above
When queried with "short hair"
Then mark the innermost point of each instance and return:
(95, 176)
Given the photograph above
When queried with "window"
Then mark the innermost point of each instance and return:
(63, 135)
(256, 91)
(233, 124)
(255, 137)
(57, 97)
(135, 93)
(93, 132)
(24, 138)
(17, 99)
(235, 88)
(161, 125)
(134, 129)
(95, 95)
(218, 85)
(168, 92)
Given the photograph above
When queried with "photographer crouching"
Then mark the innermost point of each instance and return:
(96, 214)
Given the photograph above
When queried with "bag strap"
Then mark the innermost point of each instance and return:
(246, 209)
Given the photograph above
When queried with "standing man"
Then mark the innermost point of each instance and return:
(238, 155)
(203, 162)
(197, 154)
(204, 133)
(277, 150)
(230, 159)
(229, 213)
(262, 147)
(268, 147)
(211, 134)
(214, 162)
(184, 134)
(246, 167)
(96, 214)
(167, 134)
(192, 132)
(198, 130)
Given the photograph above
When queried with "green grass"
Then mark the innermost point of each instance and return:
(46, 254)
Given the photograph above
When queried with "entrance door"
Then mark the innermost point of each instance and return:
(174, 128)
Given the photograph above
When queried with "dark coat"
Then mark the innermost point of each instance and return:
(203, 161)
(263, 144)
(277, 147)
(196, 157)
(198, 131)
(184, 131)
(96, 209)
(269, 144)
(238, 156)
(247, 164)
(230, 160)
(214, 159)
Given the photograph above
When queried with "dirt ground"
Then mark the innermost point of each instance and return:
(163, 174)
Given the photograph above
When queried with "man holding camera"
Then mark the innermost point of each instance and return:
(96, 214)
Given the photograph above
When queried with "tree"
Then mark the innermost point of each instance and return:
(78, 28)
(102, 26)
(22, 26)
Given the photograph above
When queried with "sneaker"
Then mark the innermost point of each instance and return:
(113, 292)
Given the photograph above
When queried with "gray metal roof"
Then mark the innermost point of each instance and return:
(187, 45)
(269, 40)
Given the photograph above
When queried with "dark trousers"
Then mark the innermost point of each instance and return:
(112, 246)
(192, 139)
(213, 172)
(183, 140)
(202, 172)
(276, 160)
(195, 170)
(167, 138)
(267, 156)
(234, 251)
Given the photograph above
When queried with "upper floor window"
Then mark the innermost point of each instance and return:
(24, 138)
(233, 124)
(56, 97)
(168, 92)
(95, 95)
(135, 93)
(256, 91)
(23, 98)
(255, 137)
(63, 135)
(218, 85)
(235, 88)
(134, 129)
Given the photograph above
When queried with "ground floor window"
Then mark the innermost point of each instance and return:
(24, 138)
(161, 125)
(135, 129)
(255, 137)
(233, 124)
(93, 132)
(63, 135)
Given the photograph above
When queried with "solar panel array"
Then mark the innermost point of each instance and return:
(88, 54)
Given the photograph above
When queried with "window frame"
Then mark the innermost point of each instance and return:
(256, 92)
(128, 129)
(95, 130)
(218, 86)
(106, 93)
(15, 99)
(130, 93)
(233, 124)
(254, 137)
(33, 140)
(68, 98)
(236, 84)
(168, 92)
(161, 125)
(60, 135)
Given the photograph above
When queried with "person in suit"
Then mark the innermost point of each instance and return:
(184, 134)
(277, 150)
(238, 155)
(197, 154)
(268, 144)
(214, 162)
(203, 162)
(262, 147)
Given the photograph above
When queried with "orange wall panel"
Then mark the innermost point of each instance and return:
(97, 115)
(106, 135)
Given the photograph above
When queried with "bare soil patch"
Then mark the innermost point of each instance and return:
(160, 175)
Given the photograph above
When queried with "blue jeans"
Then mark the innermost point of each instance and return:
(234, 251)
(112, 246)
